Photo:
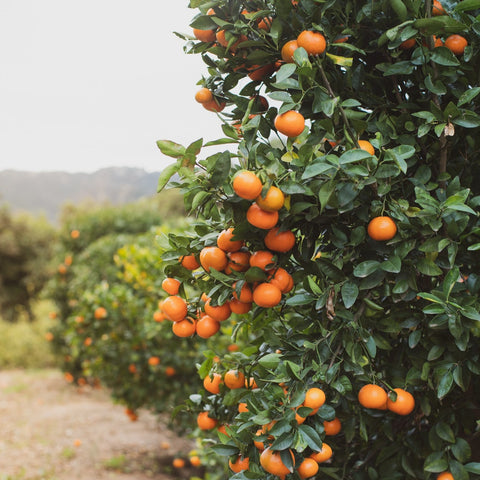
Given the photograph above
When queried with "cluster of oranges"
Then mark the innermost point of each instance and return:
(375, 397)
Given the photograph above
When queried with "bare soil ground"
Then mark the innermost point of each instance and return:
(51, 430)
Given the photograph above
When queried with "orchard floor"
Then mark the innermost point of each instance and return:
(51, 430)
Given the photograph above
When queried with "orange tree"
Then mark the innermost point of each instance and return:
(344, 226)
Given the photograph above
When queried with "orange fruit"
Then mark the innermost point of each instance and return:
(407, 44)
(456, 44)
(184, 328)
(290, 123)
(153, 361)
(372, 396)
(225, 242)
(189, 262)
(204, 95)
(281, 279)
(214, 105)
(213, 257)
(272, 463)
(212, 384)
(218, 312)
(88, 341)
(207, 327)
(240, 308)
(247, 185)
(49, 336)
(272, 201)
(242, 407)
(279, 241)
(260, 218)
(204, 422)
(308, 468)
(367, 146)
(68, 260)
(246, 295)
(323, 455)
(223, 429)
(75, 234)
(233, 347)
(131, 414)
(381, 228)
(262, 259)
(288, 50)
(174, 308)
(100, 312)
(445, 476)
(239, 464)
(251, 383)
(234, 379)
(260, 72)
(437, 9)
(313, 42)
(171, 285)
(238, 261)
(257, 443)
(403, 405)
(170, 372)
(195, 461)
(158, 316)
(314, 398)
(206, 36)
(333, 427)
(62, 269)
(267, 295)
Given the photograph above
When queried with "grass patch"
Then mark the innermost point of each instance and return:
(119, 462)
(68, 453)
(23, 343)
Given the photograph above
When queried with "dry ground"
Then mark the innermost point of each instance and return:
(51, 430)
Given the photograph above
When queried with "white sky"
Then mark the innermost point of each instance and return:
(94, 83)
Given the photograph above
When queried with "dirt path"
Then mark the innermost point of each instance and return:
(53, 431)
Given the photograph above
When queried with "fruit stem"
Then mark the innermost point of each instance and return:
(342, 111)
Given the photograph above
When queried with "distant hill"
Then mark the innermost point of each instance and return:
(46, 192)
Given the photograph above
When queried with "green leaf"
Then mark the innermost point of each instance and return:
(467, 5)
(366, 268)
(317, 167)
(473, 467)
(171, 149)
(283, 441)
(284, 72)
(326, 191)
(270, 361)
(166, 175)
(461, 450)
(435, 463)
(445, 432)
(349, 293)
(444, 56)
(468, 95)
(437, 87)
(310, 436)
(428, 267)
(353, 155)
(220, 168)
(445, 384)
(392, 265)
(474, 247)
(342, 61)
(224, 450)
(439, 25)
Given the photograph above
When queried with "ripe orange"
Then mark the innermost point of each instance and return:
(175, 308)
(260, 72)
(234, 379)
(130, 413)
(184, 328)
(49, 336)
(214, 105)
(445, 476)
(238, 261)
(204, 422)
(272, 201)
(288, 50)
(367, 146)
(225, 242)
(242, 407)
(456, 44)
(407, 44)
(206, 36)
(170, 372)
(204, 95)
(171, 285)
(403, 405)
(213, 257)
(68, 260)
(212, 384)
(333, 427)
(158, 316)
(240, 308)
(272, 463)
(262, 259)
(313, 42)
(260, 218)
(290, 123)
(153, 361)
(207, 327)
(279, 241)
(323, 455)
(267, 295)
(308, 468)
(314, 398)
(233, 347)
(382, 228)
(372, 396)
(257, 443)
(189, 262)
(281, 279)
(195, 461)
(246, 295)
(75, 234)
(239, 464)
(100, 312)
(88, 341)
(62, 269)
(247, 185)
(437, 9)
(218, 312)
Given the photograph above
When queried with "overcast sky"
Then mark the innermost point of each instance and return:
(94, 83)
